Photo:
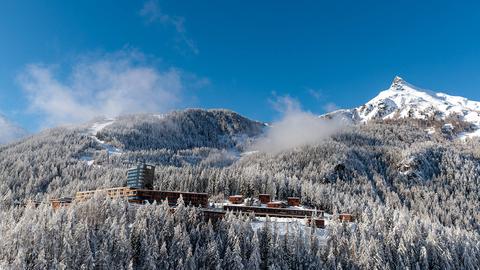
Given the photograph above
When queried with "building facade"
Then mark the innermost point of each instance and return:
(141, 176)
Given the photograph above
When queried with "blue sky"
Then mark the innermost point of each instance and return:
(67, 61)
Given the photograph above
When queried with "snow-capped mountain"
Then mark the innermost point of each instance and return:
(403, 100)
(9, 131)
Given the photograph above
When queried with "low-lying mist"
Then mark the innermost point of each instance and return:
(295, 129)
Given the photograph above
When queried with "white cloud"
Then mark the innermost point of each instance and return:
(106, 85)
(10, 132)
(330, 107)
(296, 128)
(316, 94)
(284, 104)
(152, 12)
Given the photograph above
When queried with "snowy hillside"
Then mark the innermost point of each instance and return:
(179, 130)
(403, 100)
(411, 193)
(192, 136)
(92, 129)
(9, 131)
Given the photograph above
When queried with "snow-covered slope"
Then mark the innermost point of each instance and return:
(9, 131)
(92, 129)
(186, 129)
(403, 100)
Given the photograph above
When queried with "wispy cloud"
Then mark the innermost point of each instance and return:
(284, 104)
(153, 13)
(296, 128)
(316, 94)
(102, 85)
(9, 131)
(319, 96)
(330, 107)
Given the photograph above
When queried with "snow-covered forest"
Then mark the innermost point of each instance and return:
(105, 234)
(414, 195)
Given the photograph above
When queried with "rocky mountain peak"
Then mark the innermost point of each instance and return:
(404, 100)
(397, 84)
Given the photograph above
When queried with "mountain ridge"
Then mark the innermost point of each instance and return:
(404, 100)
(189, 128)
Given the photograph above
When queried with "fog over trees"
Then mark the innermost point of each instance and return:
(415, 197)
